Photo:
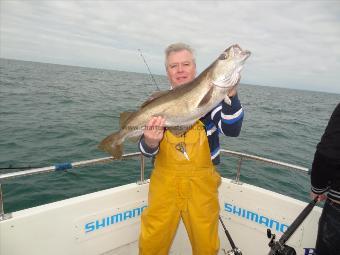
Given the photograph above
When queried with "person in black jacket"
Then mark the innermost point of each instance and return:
(325, 180)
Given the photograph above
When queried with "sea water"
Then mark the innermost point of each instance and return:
(53, 114)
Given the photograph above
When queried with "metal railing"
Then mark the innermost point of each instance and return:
(243, 156)
(65, 166)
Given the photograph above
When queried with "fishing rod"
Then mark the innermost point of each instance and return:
(10, 167)
(234, 250)
(153, 79)
(64, 166)
(279, 247)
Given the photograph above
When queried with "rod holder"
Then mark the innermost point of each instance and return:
(142, 168)
(1, 204)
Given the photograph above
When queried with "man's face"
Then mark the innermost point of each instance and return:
(180, 67)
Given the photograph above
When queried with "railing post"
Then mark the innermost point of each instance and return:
(142, 168)
(1, 204)
(238, 174)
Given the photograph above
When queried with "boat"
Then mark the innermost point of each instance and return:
(108, 221)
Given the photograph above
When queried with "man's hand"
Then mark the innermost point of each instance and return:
(321, 197)
(154, 131)
(233, 91)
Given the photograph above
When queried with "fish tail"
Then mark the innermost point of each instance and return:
(113, 144)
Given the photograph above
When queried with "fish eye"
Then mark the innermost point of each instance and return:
(223, 56)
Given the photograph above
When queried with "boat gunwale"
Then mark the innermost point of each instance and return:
(65, 166)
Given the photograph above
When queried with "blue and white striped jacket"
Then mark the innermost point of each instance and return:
(224, 119)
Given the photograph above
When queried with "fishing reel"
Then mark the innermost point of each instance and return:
(235, 251)
(276, 248)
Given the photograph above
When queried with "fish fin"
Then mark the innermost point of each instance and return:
(124, 117)
(206, 97)
(134, 139)
(112, 144)
(154, 96)
(179, 130)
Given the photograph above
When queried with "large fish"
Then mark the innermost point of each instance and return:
(183, 106)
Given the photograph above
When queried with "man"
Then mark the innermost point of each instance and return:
(325, 177)
(184, 181)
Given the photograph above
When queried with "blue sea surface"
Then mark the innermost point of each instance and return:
(53, 114)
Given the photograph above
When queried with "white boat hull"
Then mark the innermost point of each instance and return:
(108, 222)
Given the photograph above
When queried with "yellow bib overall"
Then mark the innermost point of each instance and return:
(182, 188)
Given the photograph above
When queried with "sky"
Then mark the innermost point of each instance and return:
(294, 44)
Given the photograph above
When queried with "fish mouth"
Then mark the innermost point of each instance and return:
(237, 52)
(244, 55)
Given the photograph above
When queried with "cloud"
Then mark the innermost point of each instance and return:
(293, 43)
